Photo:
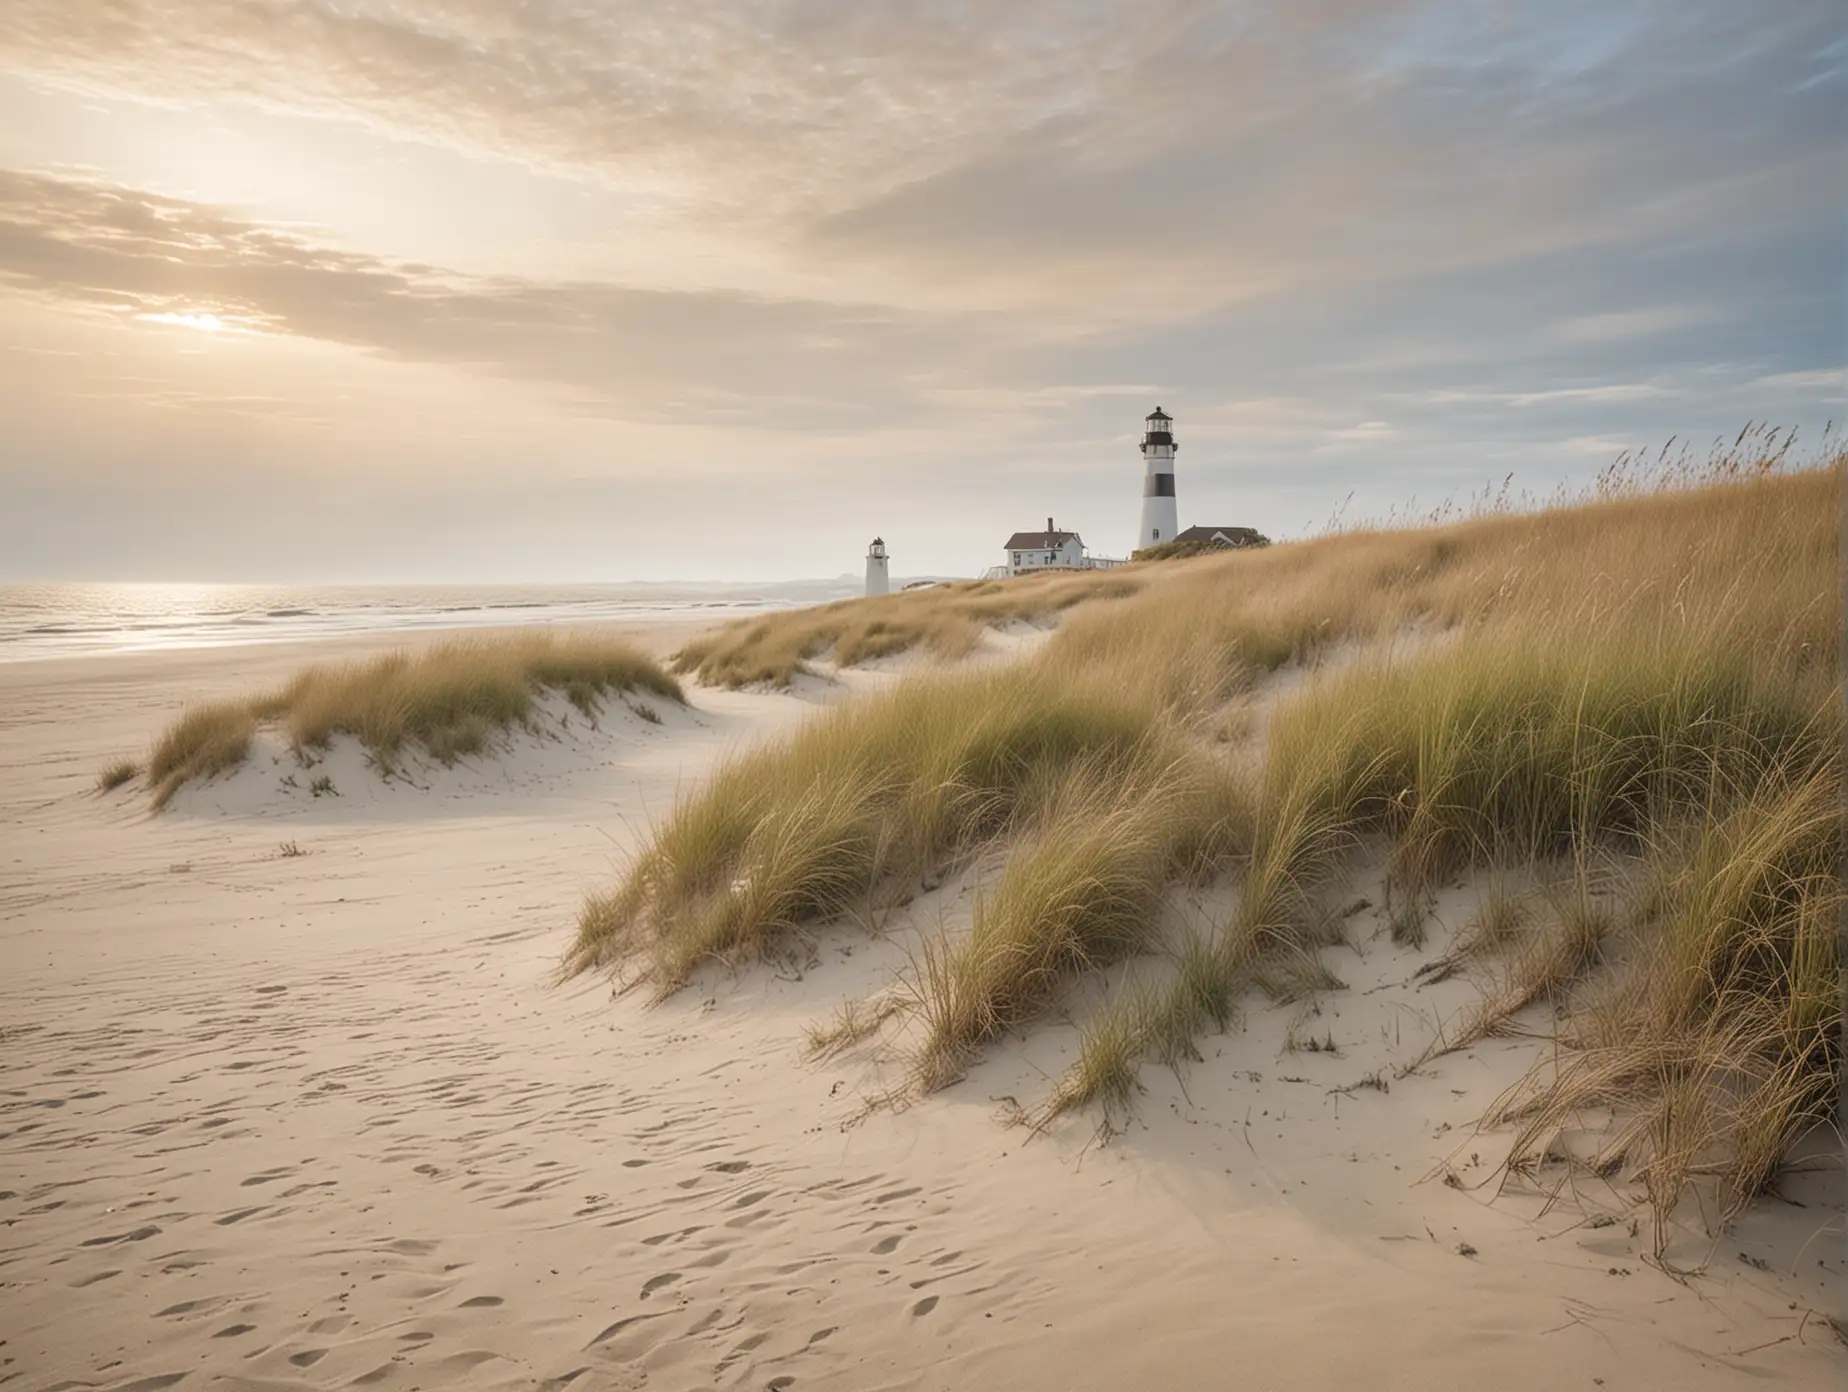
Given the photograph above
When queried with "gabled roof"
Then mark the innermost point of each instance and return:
(1040, 541)
(1158, 414)
(1234, 536)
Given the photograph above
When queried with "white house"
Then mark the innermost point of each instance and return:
(1030, 551)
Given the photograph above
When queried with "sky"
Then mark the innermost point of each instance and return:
(577, 290)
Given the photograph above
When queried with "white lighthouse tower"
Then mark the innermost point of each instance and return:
(878, 576)
(1159, 521)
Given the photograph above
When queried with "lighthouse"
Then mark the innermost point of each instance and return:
(878, 577)
(1159, 522)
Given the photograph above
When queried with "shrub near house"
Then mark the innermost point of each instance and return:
(1202, 541)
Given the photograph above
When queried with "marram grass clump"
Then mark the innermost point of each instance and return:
(115, 774)
(450, 700)
(1084, 887)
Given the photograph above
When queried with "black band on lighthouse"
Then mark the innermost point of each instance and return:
(1158, 486)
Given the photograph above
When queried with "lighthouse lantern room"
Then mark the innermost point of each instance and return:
(1159, 518)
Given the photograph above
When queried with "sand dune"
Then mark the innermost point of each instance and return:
(329, 1119)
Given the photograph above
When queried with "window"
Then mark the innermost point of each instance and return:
(1156, 534)
(1016, 558)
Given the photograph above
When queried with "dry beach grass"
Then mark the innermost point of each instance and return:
(1634, 698)
(946, 621)
(449, 700)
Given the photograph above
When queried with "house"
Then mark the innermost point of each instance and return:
(1030, 551)
(1234, 537)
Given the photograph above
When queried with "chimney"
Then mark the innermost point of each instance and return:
(1048, 526)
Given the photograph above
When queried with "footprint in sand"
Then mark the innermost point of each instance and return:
(659, 1238)
(886, 1245)
(924, 1306)
(482, 1302)
(611, 1331)
(138, 1235)
(307, 1358)
(743, 1347)
(231, 1331)
(777, 1384)
(657, 1282)
(731, 1166)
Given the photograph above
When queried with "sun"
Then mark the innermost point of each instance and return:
(206, 323)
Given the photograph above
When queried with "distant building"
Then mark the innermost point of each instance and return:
(878, 569)
(1234, 537)
(1030, 552)
(1037, 550)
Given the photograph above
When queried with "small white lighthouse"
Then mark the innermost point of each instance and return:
(878, 574)
(1159, 521)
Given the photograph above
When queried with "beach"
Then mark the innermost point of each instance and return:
(292, 1095)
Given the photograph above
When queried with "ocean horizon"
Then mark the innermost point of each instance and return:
(41, 621)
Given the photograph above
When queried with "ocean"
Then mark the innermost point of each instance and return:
(44, 621)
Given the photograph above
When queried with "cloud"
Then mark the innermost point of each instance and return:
(1829, 382)
(1276, 158)
(643, 354)
(803, 98)
(1164, 155)
(1631, 323)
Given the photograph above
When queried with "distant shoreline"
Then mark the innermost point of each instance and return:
(50, 622)
(229, 667)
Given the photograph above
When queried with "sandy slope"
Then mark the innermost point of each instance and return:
(328, 1120)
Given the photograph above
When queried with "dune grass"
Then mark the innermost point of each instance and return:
(945, 620)
(115, 774)
(450, 700)
(857, 810)
(1623, 688)
(1720, 1041)
(1083, 888)
(204, 741)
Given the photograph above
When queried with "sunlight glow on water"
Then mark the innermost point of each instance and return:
(40, 621)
